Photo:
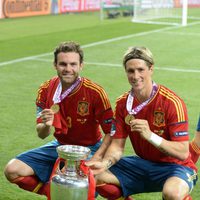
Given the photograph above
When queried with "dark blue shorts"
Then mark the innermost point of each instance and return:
(137, 175)
(42, 159)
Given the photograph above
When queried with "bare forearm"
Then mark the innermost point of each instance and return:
(102, 149)
(114, 152)
(112, 155)
(43, 130)
(179, 150)
(197, 138)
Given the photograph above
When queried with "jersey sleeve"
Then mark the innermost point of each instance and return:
(118, 123)
(177, 120)
(103, 110)
(41, 99)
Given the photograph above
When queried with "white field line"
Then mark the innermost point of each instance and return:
(171, 68)
(23, 59)
(182, 34)
(91, 44)
(99, 43)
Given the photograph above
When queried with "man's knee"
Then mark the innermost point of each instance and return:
(173, 193)
(175, 196)
(175, 188)
(10, 170)
(16, 168)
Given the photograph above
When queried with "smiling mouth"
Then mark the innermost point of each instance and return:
(67, 75)
(135, 83)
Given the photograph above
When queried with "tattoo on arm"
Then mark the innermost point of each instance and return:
(164, 151)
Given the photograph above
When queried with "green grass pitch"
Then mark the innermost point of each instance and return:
(26, 46)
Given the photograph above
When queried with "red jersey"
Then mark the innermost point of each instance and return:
(81, 113)
(167, 117)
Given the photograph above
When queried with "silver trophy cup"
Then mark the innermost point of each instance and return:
(68, 181)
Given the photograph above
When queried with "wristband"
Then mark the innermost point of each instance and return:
(155, 140)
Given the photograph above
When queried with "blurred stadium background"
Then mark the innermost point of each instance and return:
(26, 47)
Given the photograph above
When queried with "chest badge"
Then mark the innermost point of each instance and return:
(83, 108)
(159, 119)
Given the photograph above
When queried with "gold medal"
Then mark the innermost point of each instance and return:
(128, 118)
(55, 108)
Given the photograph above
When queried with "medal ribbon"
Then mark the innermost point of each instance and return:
(87, 171)
(138, 108)
(58, 122)
(58, 97)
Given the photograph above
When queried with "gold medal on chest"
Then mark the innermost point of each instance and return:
(128, 118)
(55, 108)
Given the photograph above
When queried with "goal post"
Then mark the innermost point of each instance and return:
(169, 12)
(172, 12)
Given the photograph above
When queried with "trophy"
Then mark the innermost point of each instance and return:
(68, 181)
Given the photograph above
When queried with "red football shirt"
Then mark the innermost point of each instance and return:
(82, 113)
(167, 117)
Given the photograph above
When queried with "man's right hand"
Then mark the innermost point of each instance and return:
(96, 166)
(44, 128)
(47, 116)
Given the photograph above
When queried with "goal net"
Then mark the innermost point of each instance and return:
(172, 12)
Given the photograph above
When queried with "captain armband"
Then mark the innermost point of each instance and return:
(155, 139)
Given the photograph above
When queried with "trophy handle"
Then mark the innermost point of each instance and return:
(56, 167)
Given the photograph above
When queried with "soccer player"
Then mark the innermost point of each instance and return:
(76, 108)
(156, 121)
(195, 144)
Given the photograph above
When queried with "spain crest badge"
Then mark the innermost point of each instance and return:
(159, 118)
(83, 108)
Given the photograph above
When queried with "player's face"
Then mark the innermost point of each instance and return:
(68, 67)
(139, 74)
